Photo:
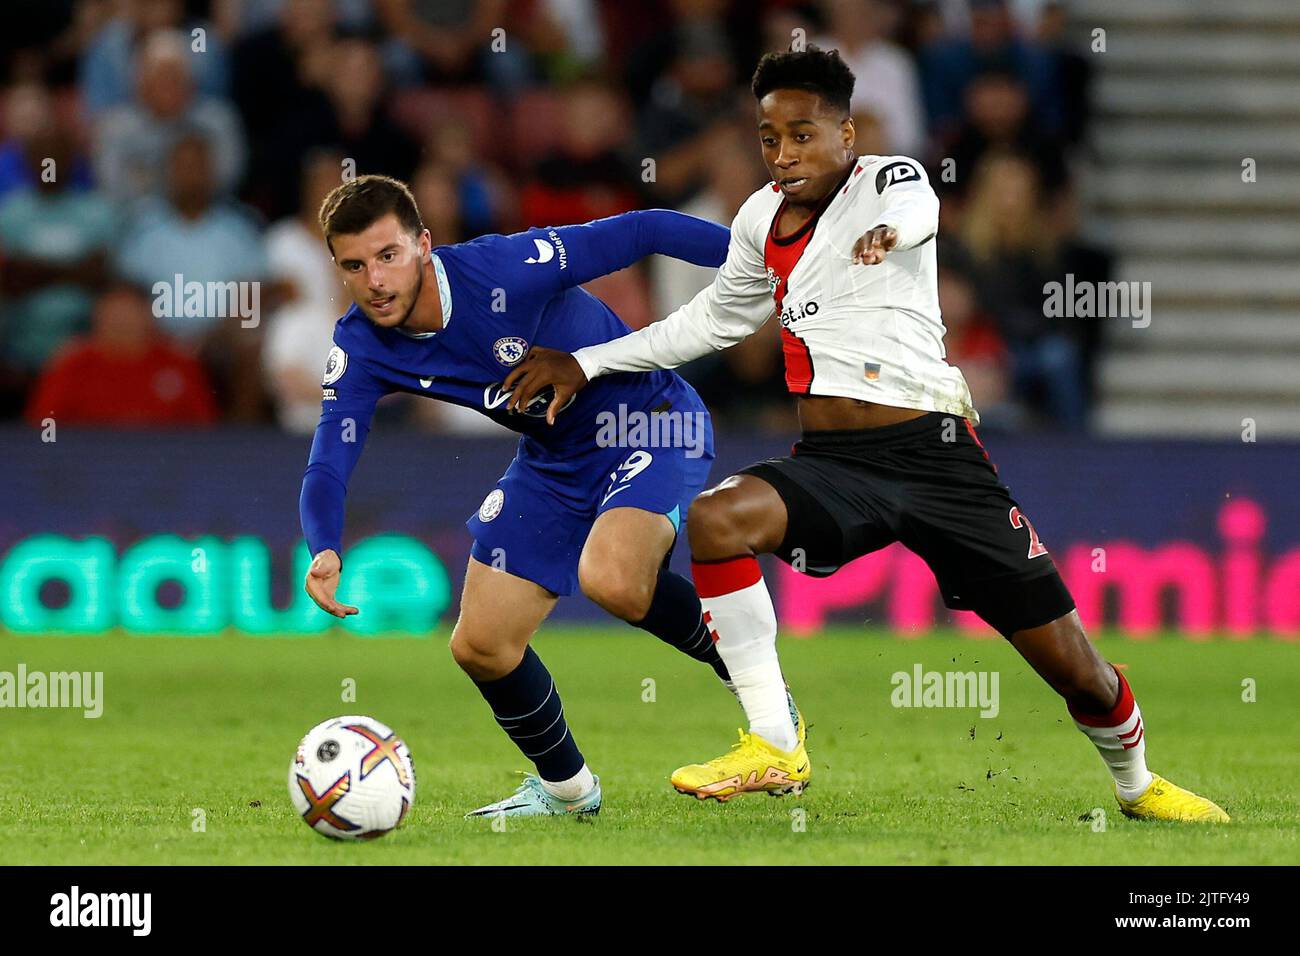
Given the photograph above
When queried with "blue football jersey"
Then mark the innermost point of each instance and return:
(500, 296)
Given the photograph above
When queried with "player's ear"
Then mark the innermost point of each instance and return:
(426, 243)
(848, 134)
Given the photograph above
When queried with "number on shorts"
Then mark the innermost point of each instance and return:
(1018, 521)
(636, 463)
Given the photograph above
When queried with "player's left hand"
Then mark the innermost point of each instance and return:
(542, 367)
(874, 244)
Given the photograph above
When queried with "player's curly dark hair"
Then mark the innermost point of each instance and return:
(818, 71)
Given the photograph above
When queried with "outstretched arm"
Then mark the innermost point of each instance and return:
(730, 309)
(551, 259)
(335, 450)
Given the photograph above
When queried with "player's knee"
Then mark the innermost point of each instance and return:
(713, 524)
(478, 656)
(622, 594)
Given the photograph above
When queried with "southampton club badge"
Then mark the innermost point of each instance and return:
(335, 365)
(510, 350)
(491, 506)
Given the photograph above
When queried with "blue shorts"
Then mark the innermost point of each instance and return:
(535, 522)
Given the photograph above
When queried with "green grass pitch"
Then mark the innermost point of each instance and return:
(211, 723)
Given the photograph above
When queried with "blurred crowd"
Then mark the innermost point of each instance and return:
(147, 144)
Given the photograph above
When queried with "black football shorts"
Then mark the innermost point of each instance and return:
(929, 484)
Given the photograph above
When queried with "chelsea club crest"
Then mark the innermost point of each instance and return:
(491, 506)
(510, 350)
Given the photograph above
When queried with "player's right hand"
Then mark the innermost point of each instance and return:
(542, 367)
(873, 245)
(323, 581)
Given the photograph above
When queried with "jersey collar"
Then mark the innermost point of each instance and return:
(444, 298)
(811, 222)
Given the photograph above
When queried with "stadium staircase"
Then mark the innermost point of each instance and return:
(1186, 90)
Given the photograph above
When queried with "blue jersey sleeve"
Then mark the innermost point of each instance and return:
(549, 260)
(351, 394)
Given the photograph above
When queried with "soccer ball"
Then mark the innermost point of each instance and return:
(352, 779)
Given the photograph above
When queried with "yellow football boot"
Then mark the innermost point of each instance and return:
(1162, 800)
(751, 766)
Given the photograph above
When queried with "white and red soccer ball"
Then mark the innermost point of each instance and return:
(352, 779)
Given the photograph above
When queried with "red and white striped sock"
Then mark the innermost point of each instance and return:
(739, 613)
(1120, 738)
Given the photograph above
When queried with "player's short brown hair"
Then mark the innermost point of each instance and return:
(358, 203)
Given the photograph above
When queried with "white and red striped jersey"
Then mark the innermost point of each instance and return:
(849, 330)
